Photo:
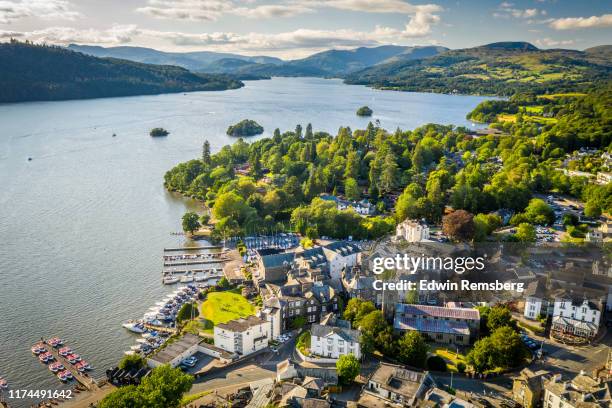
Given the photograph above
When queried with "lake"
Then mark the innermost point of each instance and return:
(84, 223)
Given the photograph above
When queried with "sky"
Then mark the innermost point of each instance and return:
(297, 28)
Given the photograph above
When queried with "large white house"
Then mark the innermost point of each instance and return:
(334, 338)
(243, 336)
(340, 255)
(536, 303)
(576, 317)
(412, 230)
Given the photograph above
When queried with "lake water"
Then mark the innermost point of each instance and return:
(83, 225)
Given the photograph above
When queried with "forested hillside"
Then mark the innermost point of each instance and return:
(493, 69)
(31, 72)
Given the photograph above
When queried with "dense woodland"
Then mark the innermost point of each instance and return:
(31, 72)
(414, 174)
(494, 69)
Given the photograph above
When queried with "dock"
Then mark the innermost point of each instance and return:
(85, 380)
(199, 248)
(196, 262)
(164, 329)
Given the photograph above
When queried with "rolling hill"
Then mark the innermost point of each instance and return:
(200, 61)
(31, 72)
(499, 68)
(337, 63)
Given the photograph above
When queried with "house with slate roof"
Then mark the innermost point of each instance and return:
(333, 338)
(340, 255)
(448, 325)
(274, 268)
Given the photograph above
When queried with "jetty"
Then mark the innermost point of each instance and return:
(85, 380)
(196, 262)
(198, 248)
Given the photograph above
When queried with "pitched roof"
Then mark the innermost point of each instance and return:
(176, 349)
(399, 380)
(350, 335)
(275, 260)
(431, 326)
(242, 324)
(343, 248)
(438, 311)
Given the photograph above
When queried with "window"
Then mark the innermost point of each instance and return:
(459, 338)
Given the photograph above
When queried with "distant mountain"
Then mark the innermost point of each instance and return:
(34, 72)
(341, 62)
(198, 61)
(499, 68)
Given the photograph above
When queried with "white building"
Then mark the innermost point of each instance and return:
(272, 315)
(581, 392)
(243, 336)
(412, 230)
(341, 255)
(334, 338)
(576, 317)
(536, 303)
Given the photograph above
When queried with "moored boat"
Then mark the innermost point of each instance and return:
(64, 351)
(135, 327)
(56, 367)
(64, 376)
(55, 342)
(73, 358)
(188, 277)
(37, 349)
(46, 357)
(171, 279)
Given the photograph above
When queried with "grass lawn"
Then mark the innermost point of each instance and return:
(221, 307)
(561, 95)
(450, 356)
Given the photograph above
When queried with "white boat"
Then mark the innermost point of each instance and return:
(200, 277)
(136, 347)
(141, 341)
(187, 278)
(134, 327)
(169, 280)
(129, 353)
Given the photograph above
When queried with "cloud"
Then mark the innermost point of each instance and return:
(420, 24)
(572, 23)
(507, 10)
(548, 42)
(13, 10)
(374, 6)
(203, 10)
(118, 34)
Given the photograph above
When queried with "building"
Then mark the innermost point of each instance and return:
(395, 386)
(273, 315)
(536, 303)
(363, 207)
(439, 398)
(412, 230)
(528, 387)
(594, 235)
(333, 338)
(360, 286)
(581, 392)
(243, 336)
(448, 325)
(274, 268)
(175, 353)
(577, 318)
(341, 255)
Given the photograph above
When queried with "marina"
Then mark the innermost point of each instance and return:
(64, 363)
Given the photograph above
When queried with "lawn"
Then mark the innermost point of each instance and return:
(221, 307)
(450, 356)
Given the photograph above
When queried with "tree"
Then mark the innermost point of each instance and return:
(458, 225)
(308, 135)
(351, 190)
(371, 325)
(436, 363)
(132, 362)
(158, 132)
(206, 159)
(190, 222)
(298, 131)
(540, 213)
(592, 209)
(412, 297)
(364, 111)
(498, 316)
(165, 386)
(356, 309)
(224, 283)
(187, 312)
(298, 322)
(525, 233)
(412, 349)
(348, 367)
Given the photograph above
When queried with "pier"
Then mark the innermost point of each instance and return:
(199, 248)
(196, 262)
(85, 380)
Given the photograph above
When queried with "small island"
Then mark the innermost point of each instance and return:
(158, 132)
(246, 127)
(364, 111)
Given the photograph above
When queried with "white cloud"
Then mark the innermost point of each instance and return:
(571, 23)
(420, 24)
(549, 42)
(374, 6)
(13, 10)
(118, 34)
(507, 10)
(202, 10)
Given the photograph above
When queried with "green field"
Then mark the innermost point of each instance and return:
(221, 307)
(450, 356)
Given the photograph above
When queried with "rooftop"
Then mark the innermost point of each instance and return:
(431, 326)
(275, 260)
(400, 380)
(437, 311)
(343, 248)
(172, 351)
(242, 324)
